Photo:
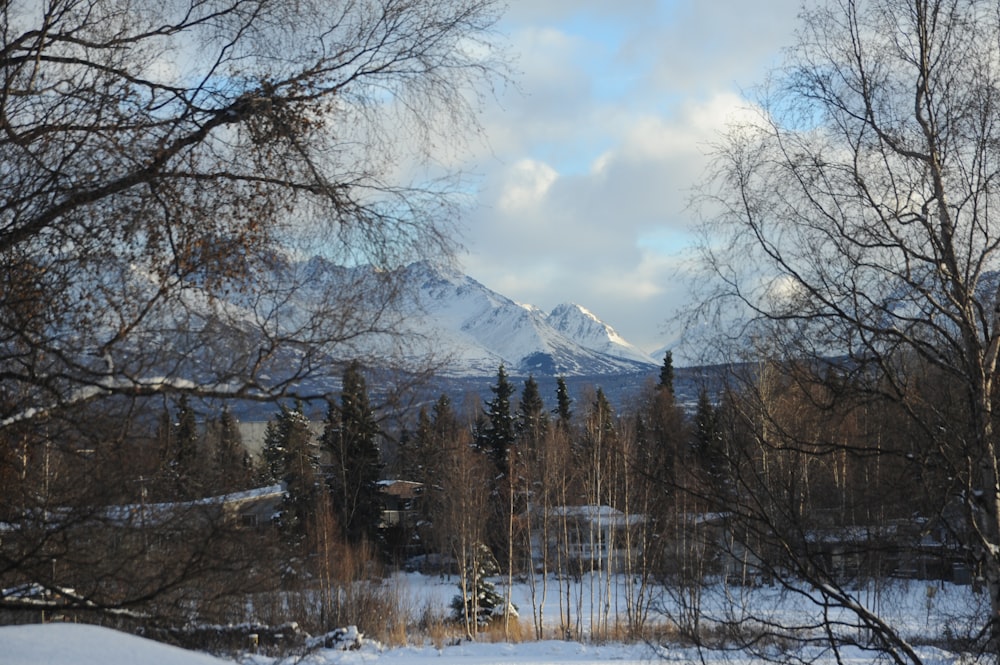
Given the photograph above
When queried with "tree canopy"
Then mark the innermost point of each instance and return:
(164, 164)
(850, 224)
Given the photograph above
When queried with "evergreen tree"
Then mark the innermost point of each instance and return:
(708, 438)
(182, 468)
(185, 437)
(601, 419)
(413, 448)
(563, 412)
(445, 421)
(533, 421)
(667, 436)
(667, 373)
(291, 458)
(273, 452)
(438, 434)
(497, 435)
(435, 431)
(350, 436)
(301, 476)
(232, 462)
(481, 602)
(165, 437)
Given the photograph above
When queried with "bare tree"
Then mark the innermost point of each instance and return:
(168, 167)
(851, 219)
(165, 164)
(462, 517)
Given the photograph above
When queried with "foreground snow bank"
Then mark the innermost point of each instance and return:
(81, 644)
(549, 652)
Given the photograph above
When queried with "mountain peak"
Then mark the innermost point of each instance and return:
(449, 315)
(480, 328)
(586, 328)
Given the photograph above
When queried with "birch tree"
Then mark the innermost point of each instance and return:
(850, 217)
(164, 163)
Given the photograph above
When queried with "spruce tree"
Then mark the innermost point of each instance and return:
(232, 462)
(667, 373)
(185, 437)
(291, 458)
(481, 601)
(273, 452)
(445, 421)
(497, 435)
(414, 451)
(183, 465)
(667, 430)
(601, 419)
(563, 412)
(436, 450)
(708, 438)
(533, 421)
(301, 476)
(350, 437)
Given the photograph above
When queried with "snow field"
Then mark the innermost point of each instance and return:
(911, 606)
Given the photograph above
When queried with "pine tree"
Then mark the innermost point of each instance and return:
(273, 452)
(481, 602)
(414, 447)
(563, 412)
(291, 458)
(439, 436)
(533, 421)
(182, 463)
(350, 436)
(185, 436)
(435, 431)
(708, 438)
(232, 462)
(445, 421)
(165, 437)
(301, 476)
(601, 419)
(667, 373)
(497, 434)
(667, 435)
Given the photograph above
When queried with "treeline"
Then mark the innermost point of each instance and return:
(789, 472)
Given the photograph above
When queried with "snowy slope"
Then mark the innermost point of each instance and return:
(469, 328)
(80, 644)
(582, 326)
(912, 611)
(479, 328)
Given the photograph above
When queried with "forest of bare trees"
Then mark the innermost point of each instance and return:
(850, 255)
(632, 521)
(164, 167)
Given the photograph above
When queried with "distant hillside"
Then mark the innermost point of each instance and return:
(479, 328)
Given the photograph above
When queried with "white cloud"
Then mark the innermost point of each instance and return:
(528, 182)
(585, 185)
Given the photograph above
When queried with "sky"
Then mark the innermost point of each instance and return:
(586, 170)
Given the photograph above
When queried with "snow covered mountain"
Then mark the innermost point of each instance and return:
(478, 328)
(466, 329)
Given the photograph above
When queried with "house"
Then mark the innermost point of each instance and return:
(400, 516)
(585, 538)
(254, 508)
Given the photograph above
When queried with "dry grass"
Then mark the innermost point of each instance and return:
(435, 625)
(515, 631)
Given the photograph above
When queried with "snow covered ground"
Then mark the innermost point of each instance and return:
(77, 644)
(912, 607)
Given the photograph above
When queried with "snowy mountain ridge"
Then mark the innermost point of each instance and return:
(442, 316)
(479, 329)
